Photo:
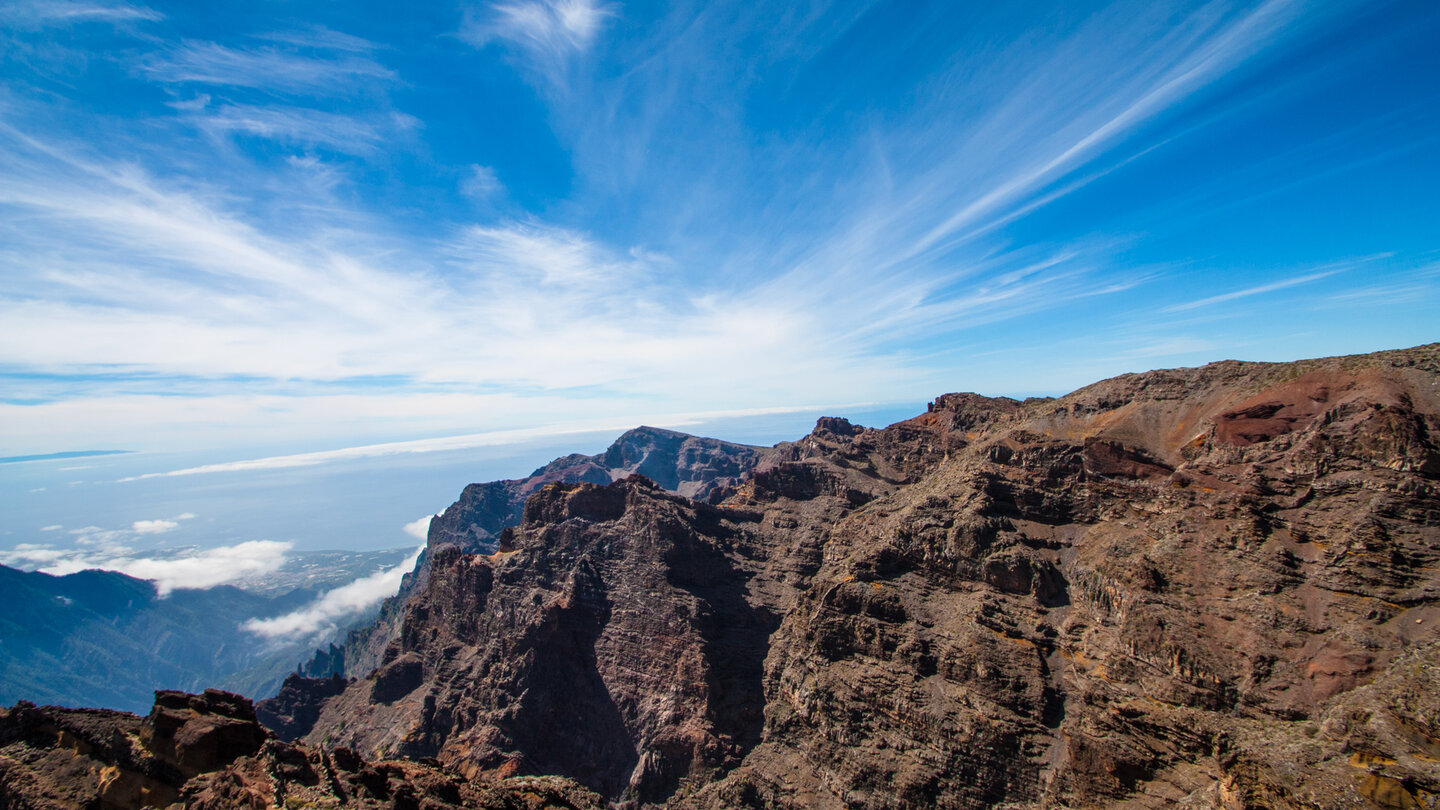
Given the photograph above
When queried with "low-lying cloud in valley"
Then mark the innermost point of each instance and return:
(206, 569)
(346, 602)
(172, 569)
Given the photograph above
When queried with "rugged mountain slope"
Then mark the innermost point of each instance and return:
(1139, 594)
(1212, 586)
(688, 465)
(207, 751)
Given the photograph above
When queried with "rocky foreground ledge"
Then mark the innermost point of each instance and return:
(208, 752)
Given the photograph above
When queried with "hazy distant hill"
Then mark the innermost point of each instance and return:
(100, 638)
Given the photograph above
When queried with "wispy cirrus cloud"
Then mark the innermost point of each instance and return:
(1163, 72)
(548, 34)
(268, 68)
(315, 87)
(298, 125)
(442, 444)
(551, 28)
(1274, 286)
(742, 204)
(321, 37)
(35, 13)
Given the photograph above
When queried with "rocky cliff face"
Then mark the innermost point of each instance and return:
(692, 466)
(207, 752)
(686, 465)
(1212, 587)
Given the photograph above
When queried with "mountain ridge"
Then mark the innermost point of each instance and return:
(1212, 587)
(994, 582)
(693, 465)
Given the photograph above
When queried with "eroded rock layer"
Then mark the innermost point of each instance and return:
(692, 466)
(1214, 587)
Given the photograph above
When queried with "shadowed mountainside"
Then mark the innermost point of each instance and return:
(101, 638)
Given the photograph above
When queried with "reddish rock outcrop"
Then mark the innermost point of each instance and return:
(206, 752)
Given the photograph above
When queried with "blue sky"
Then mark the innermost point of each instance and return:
(288, 227)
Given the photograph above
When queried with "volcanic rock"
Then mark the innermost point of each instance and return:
(693, 466)
(1210, 587)
(686, 465)
(293, 712)
(206, 752)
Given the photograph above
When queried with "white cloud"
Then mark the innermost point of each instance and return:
(481, 183)
(467, 441)
(153, 526)
(54, 527)
(324, 38)
(192, 282)
(420, 529)
(107, 538)
(550, 27)
(347, 133)
(194, 104)
(185, 569)
(326, 611)
(31, 555)
(550, 33)
(1256, 290)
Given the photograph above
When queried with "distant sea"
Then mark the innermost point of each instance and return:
(352, 504)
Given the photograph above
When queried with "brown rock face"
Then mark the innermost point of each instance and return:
(1210, 587)
(613, 640)
(207, 752)
(293, 712)
(693, 466)
(200, 733)
(686, 465)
